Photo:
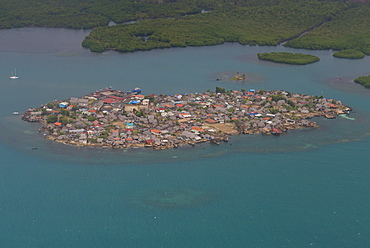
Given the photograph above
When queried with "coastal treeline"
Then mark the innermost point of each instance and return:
(347, 30)
(253, 25)
(288, 58)
(349, 54)
(310, 24)
(364, 80)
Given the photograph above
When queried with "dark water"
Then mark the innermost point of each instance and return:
(309, 188)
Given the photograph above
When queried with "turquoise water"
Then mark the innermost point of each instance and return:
(309, 188)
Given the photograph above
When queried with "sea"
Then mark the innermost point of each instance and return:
(309, 188)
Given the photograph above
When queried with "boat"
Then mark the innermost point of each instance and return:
(14, 76)
(15, 113)
(134, 91)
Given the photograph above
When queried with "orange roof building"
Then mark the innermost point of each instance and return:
(211, 121)
(198, 129)
(156, 131)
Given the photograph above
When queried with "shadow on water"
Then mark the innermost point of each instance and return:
(24, 137)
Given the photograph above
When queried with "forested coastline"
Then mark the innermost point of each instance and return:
(288, 58)
(326, 24)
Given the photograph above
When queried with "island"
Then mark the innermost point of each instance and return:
(364, 80)
(119, 119)
(239, 77)
(288, 58)
(349, 54)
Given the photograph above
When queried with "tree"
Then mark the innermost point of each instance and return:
(64, 112)
(50, 105)
(220, 90)
(51, 118)
(91, 118)
(278, 97)
(64, 120)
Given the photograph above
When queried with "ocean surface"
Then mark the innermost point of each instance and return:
(309, 188)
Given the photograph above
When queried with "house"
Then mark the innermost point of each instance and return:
(131, 107)
(109, 101)
(184, 115)
(155, 131)
(58, 124)
(139, 97)
(63, 105)
(210, 121)
(83, 102)
(160, 110)
(117, 106)
(196, 129)
(186, 135)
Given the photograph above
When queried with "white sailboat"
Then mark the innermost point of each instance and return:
(14, 76)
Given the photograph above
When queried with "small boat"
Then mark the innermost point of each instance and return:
(14, 76)
(15, 113)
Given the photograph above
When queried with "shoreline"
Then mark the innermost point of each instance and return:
(115, 119)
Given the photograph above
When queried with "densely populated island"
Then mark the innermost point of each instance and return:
(118, 119)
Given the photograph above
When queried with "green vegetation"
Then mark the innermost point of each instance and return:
(289, 58)
(364, 80)
(51, 118)
(252, 25)
(64, 120)
(278, 97)
(349, 54)
(64, 112)
(91, 13)
(220, 90)
(53, 13)
(329, 24)
(347, 30)
(91, 118)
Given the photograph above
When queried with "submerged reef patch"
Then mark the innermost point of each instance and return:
(171, 198)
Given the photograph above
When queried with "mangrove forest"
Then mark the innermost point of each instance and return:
(364, 80)
(134, 25)
(288, 58)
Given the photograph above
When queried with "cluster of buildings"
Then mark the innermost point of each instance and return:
(113, 118)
